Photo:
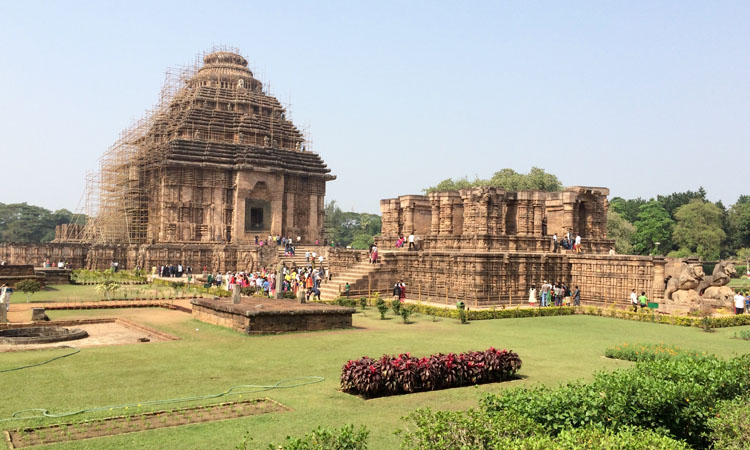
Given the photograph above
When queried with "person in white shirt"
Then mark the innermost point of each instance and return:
(634, 300)
(739, 303)
(411, 241)
(578, 243)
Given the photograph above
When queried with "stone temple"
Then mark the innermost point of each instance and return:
(216, 164)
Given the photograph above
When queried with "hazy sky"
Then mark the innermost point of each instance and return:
(642, 97)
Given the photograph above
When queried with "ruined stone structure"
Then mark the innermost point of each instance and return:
(486, 246)
(216, 164)
(492, 219)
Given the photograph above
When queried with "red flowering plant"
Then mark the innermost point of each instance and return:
(393, 375)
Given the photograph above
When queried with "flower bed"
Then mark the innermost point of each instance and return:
(403, 374)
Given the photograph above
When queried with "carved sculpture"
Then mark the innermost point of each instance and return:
(682, 289)
(715, 287)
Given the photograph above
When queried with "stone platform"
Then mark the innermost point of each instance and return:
(256, 315)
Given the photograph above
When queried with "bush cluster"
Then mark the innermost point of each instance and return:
(730, 426)
(675, 395)
(393, 375)
(480, 429)
(85, 276)
(345, 438)
(650, 352)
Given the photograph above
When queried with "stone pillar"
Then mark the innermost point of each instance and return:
(314, 231)
(408, 227)
(435, 217)
(289, 222)
(236, 294)
(538, 216)
(447, 200)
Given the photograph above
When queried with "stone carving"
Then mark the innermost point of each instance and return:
(682, 289)
(714, 287)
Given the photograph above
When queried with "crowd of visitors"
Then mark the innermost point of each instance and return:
(557, 294)
(571, 241)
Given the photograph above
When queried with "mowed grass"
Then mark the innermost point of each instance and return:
(209, 359)
(87, 293)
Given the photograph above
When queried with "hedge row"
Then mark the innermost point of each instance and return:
(684, 321)
(393, 375)
(675, 395)
(480, 429)
(651, 352)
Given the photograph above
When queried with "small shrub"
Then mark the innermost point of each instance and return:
(729, 428)
(382, 308)
(472, 429)
(345, 438)
(396, 306)
(363, 302)
(343, 301)
(744, 334)
(406, 312)
(392, 375)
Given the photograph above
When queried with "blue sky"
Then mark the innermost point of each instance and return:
(644, 97)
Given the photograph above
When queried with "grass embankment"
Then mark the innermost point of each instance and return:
(210, 359)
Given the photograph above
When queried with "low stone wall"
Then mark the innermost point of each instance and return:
(12, 274)
(275, 316)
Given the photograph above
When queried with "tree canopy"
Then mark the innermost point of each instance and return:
(698, 229)
(653, 225)
(350, 228)
(508, 179)
(621, 231)
(21, 222)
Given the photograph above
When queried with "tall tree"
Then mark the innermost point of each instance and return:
(698, 229)
(653, 225)
(628, 209)
(507, 179)
(621, 231)
(738, 218)
(674, 200)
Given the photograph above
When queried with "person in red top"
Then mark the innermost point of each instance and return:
(402, 294)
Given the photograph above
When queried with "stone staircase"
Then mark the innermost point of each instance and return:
(299, 256)
(356, 275)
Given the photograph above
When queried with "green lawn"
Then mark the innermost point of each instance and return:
(210, 359)
(739, 283)
(87, 293)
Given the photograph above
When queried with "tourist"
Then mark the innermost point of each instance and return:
(747, 301)
(577, 297)
(577, 245)
(411, 241)
(374, 254)
(643, 300)
(611, 251)
(558, 293)
(634, 300)
(402, 292)
(739, 303)
(545, 293)
(555, 244)
(532, 296)
(347, 289)
(313, 292)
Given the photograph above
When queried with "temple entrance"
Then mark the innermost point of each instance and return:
(257, 215)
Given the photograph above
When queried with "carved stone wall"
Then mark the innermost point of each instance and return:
(491, 219)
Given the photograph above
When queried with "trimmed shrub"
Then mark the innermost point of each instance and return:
(472, 429)
(676, 395)
(402, 374)
(382, 308)
(406, 312)
(343, 301)
(650, 352)
(479, 429)
(344, 438)
(729, 428)
(396, 306)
